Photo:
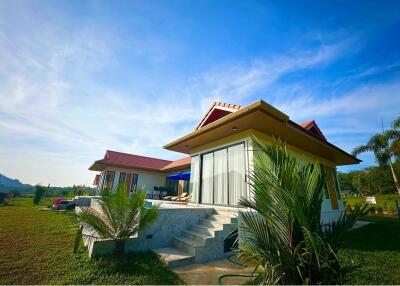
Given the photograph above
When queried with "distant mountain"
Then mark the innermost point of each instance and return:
(7, 184)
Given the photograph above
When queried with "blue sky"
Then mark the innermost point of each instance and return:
(77, 78)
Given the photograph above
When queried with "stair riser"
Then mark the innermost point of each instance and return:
(184, 246)
(181, 262)
(203, 230)
(224, 220)
(228, 213)
(196, 238)
(212, 223)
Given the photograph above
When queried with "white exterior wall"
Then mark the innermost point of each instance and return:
(146, 180)
(327, 213)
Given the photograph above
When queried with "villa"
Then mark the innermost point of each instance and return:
(150, 174)
(220, 155)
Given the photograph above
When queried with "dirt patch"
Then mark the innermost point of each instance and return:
(208, 273)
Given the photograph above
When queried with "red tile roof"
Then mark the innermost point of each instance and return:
(131, 161)
(119, 159)
(184, 162)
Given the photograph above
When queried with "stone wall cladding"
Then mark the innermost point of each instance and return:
(169, 224)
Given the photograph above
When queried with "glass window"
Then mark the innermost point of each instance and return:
(236, 164)
(207, 183)
(134, 182)
(122, 177)
(221, 177)
(109, 179)
(326, 191)
(195, 178)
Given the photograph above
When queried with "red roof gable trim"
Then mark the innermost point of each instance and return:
(223, 110)
(313, 128)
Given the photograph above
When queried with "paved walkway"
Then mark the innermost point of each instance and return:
(208, 273)
(360, 223)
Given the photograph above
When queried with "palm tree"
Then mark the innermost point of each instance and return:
(281, 229)
(394, 137)
(120, 218)
(379, 144)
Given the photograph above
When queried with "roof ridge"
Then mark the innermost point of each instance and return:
(138, 155)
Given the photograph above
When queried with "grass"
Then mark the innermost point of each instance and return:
(386, 202)
(375, 248)
(36, 248)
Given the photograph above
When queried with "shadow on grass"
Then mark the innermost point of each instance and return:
(381, 235)
(136, 268)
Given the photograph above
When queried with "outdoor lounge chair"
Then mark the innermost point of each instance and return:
(179, 197)
(184, 199)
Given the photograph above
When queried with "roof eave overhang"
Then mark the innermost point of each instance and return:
(101, 166)
(262, 117)
(229, 118)
(175, 169)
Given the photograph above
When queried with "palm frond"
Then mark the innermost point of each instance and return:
(281, 222)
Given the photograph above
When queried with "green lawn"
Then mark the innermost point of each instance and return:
(385, 202)
(36, 248)
(376, 249)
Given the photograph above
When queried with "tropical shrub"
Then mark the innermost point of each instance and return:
(15, 193)
(4, 197)
(120, 217)
(40, 193)
(282, 225)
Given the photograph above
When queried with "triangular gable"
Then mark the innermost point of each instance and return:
(313, 128)
(217, 111)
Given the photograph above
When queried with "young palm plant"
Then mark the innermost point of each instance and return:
(281, 224)
(120, 217)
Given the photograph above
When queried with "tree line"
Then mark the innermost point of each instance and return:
(382, 179)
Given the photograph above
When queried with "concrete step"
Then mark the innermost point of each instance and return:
(174, 257)
(185, 244)
(222, 218)
(196, 236)
(225, 212)
(206, 229)
(212, 223)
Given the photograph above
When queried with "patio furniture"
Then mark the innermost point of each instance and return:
(156, 195)
(179, 197)
(185, 199)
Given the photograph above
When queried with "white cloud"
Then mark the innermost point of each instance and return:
(57, 115)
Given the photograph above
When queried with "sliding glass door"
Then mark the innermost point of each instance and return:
(222, 176)
(207, 182)
(236, 169)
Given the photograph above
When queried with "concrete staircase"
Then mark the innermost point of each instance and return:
(201, 242)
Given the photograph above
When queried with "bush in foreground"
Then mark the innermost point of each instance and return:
(121, 217)
(283, 229)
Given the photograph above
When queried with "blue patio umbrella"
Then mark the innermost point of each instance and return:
(185, 175)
